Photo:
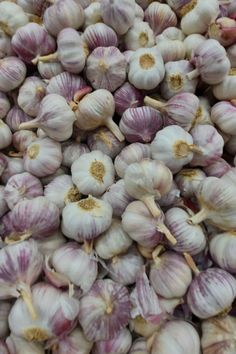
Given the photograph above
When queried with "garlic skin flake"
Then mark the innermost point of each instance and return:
(140, 35)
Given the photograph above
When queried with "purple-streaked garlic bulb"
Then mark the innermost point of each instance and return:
(3, 204)
(160, 16)
(210, 143)
(97, 109)
(32, 40)
(104, 140)
(22, 186)
(5, 135)
(14, 165)
(56, 314)
(69, 193)
(4, 105)
(12, 17)
(51, 243)
(217, 201)
(106, 68)
(21, 265)
(225, 90)
(100, 35)
(22, 138)
(12, 72)
(120, 344)
(143, 228)
(148, 181)
(92, 14)
(5, 307)
(5, 45)
(211, 292)
(18, 345)
(210, 61)
(170, 198)
(191, 43)
(37, 218)
(82, 272)
(118, 14)
(93, 173)
(140, 35)
(223, 116)
(218, 335)
(125, 268)
(42, 157)
(31, 94)
(223, 30)
(55, 118)
(140, 124)
(127, 96)
(170, 274)
(86, 219)
(217, 168)
(63, 14)
(104, 310)
(222, 250)
(117, 197)
(71, 151)
(190, 238)
(146, 68)
(15, 117)
(177, 5)
(113, 241)
(129, 154)
(49, 70)
(176, 79)
(188, 181)
(176, 336)
(183, 109)
(174, 146)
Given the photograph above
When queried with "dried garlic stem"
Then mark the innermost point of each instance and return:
(149, 201)
(163, 229)
(191, 263)
(148, 101)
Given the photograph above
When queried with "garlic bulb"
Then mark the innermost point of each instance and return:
(5, 45)
(118, 14)
(222, 248)
(56, 314)
(12, 72)
(4, 105)
(170, 275)
(177, 337)
(173, 146)
(86, 219)
(188, 181)
(176, 79)
(30, 95)
(110, 311)
(172, 197)
(49, 70)
(211, 62)
(12, 17)
(93, 173)
(5, 308)
(15, 117)
(120, 344)
(14, 165)
(131, 153)
(160, 16)
(218, 335)
(3, 204)
(92, 14)
(197, 15)
(148, 180)
(222, 115)
(146, 68)
(139, 13)
(71, 151)
(22, 186)
(22, 138)
(42, 157)
(17, 345)
(225, 90)
(5, 135)
(218, 168)
(170, 49)
(191, 42)
(231, 52)
(223, 30)
(127, 96)
(100, 35)
(63, 14)
(140, 35)
(51, 243)
(113, 241)
(106, 68)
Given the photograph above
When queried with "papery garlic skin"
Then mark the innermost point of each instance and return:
(120, 344)
(106, 68)
(211, 293)
(191, 42)
(12, 72)
(4, 105)
(160, 16)
(12, 17)
(5, 308)
(75, 342)
(100, 35)
(188, 181)
(177, 337)
(118, 14)
(86, 219)
(197, 18)
(5, 135)
(18, 345)
(222, 115)
(140, 35)
(146, 68)
(110, 311)
(225, 90)
(93, 173)
(22, 186)
(222, 250)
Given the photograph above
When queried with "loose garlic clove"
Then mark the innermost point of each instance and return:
(146, 68)
(160, 16)
(86, 219)
(127, 96)
(225, 90)
(176, 79)
(188, 181)
(197, 15)
(4, 105)
(140, 35)
(12, 73)
(147, 181)
(5, 135)
(18, 345)
(12, 17)
(93, 173)
(120, 344)
(100, 35)
(106, 68)
(222, 251)
(118, 14)
(191, 42)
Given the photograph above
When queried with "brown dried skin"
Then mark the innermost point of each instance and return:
(147, 61)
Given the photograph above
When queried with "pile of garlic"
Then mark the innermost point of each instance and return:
(117, 177)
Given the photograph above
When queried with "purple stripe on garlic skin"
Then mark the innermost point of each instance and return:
(218, 168)
(222, 250)
(100, 35)
(127, 96)
(6, 226)
(15, 117)
(104, 310)
(71, 151)
(160, 16)
(36, 7)
(22, 139)
(140, 124)
(4, 105)
(14, 165)
(22, 186)
(120, 344)
(12, 73)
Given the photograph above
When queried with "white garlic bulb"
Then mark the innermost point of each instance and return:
(226, 90)
(188, 181)
(92, 14)
(192, 42)
(222, 250)
(5, 135)
(12, 17)
(140, 35)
